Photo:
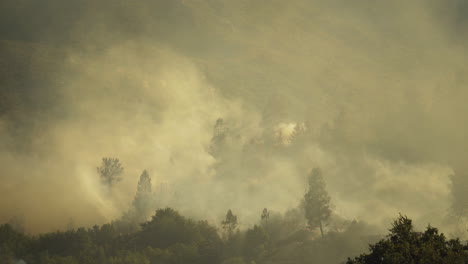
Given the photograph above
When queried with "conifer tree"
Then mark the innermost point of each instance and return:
(316, 202)
(143, 198)
(230, 223)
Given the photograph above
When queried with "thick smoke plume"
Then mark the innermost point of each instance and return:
(230, 104)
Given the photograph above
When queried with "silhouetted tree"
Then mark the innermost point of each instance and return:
(316, 202)
(166, 228)
(230, 223)
(143, 201)
(265, 215)
(404, 245)
(220, 132)
(110, 171)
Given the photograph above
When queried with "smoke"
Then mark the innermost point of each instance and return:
(372, 92)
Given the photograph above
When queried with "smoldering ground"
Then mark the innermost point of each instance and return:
(372, 92)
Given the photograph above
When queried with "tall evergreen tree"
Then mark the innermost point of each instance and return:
(143, 201)
(316, 202)
(230, 223)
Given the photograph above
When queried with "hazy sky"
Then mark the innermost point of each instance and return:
(373, 92)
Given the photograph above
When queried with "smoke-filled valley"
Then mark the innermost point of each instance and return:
(216, 131)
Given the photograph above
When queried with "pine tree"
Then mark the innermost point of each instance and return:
(316, 202)
(230, 223)
(143, 199)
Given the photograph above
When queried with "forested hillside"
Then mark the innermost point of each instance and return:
(233, 131)
(171, 238)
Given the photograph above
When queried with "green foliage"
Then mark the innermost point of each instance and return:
(12, 243)
(167, 228)
(233, 245)
(129, 257)
(404, 245)
(256, 243)
(104, 234)
(7, 255)
(170, 238)
(67, 243)
(211, 245)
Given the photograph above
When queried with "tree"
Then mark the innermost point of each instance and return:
(265, 215)
(404, 245)
(12, 243)
(220, 132)
(167, 228)
(110, 171)
(230, 223)
(316, 202)
(143, 198)
(142, 206)
(256, 243)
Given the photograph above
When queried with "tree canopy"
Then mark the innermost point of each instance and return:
(405, 245)
(110, 171)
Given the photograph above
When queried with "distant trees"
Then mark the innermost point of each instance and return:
(404, 245)
(110, 171)
(232, 238)
(142, 206)
(256, 243)
(230, 222)
(220, 132)
(265, 215)
(144, 185)
(143, 201)
(12, 244)
(187, 240)
(170, 238)
(316, 202)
